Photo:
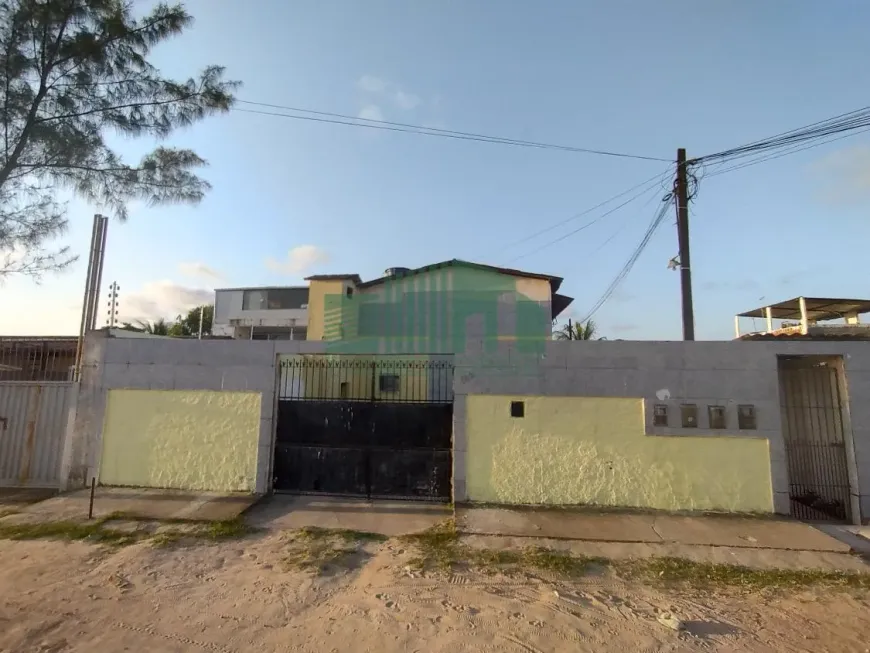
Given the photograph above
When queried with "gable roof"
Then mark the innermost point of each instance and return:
(555, 282)
(335, 277)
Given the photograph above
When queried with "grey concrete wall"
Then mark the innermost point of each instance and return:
(157, 364)
(704, 373)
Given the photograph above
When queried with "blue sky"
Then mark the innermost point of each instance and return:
(293, 198)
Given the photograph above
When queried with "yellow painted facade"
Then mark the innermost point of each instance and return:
(535, 289)
(590, 450)
(320, 293)
(188, 440)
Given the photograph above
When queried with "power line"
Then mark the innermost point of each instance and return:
(584, 226)
(847, 122)
(629, 264)
(370, 123)
(791, 150)
(655, 178)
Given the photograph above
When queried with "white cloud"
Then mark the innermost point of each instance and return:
(372, 84)
(199, 270)
(406, 101)
(845, 175)
(376, 88)
(371, 112)
(159, 299)
(299, 260)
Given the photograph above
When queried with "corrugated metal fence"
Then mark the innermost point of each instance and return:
(33, 418)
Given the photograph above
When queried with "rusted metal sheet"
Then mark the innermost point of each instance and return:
(33, 418)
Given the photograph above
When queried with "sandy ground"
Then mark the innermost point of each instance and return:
(241, 596)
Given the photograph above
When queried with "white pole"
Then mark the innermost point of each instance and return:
(805, 323)
(201, 313)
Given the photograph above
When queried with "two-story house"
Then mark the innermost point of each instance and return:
(261, 313)
(436, 309)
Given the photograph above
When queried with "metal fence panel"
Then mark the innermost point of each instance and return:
(33, 418)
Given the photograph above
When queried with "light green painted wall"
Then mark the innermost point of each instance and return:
(429, 313)
(589, 450)
(187, 440)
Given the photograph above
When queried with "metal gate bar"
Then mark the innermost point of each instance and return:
(814, 442)
(364, 426)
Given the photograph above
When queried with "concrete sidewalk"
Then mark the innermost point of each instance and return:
(724, 531)
(139, 502)
(391, 518)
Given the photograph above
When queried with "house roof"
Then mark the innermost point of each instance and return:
(818, 308)
(555, 282)
(559, 302)
(335, 277)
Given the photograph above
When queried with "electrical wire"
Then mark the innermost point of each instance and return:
(583, 226)
(847, 122)
(792, 150)
(371, 123)
(645, 184)
(629, 264)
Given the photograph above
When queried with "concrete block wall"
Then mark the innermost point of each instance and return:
(157, 364)
(703, 373)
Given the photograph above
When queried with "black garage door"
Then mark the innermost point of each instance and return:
(358, 426)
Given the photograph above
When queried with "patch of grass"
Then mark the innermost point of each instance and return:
(67, 530)
(345, 534)
(703, 574)
(227, 529)
(320, 549)
(166, 539)
(557, 562)
(438, 546)
(7, 511)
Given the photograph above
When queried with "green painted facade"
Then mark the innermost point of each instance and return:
(439, 311)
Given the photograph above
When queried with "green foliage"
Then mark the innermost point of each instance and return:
(670, 570)
(188, 325)
(577, 331)
(184, 325)
(71, 71)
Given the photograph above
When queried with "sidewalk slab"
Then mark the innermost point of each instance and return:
(390, 518)
(653, 528)
(746, 532)
(557, 523)
(144, 503)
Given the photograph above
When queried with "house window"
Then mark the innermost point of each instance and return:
(343, 390)
(689, 415)
(716, 415)
(660, 415)
(388, 383)
(518, 409)
(274, 299)
(349, 292)
(746, 419)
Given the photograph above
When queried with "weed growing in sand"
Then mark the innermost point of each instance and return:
(703, 574)
(67, 530)
(100, 531)
(319, 549)
(438, 546)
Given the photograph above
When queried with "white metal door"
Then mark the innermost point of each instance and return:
(33, 417)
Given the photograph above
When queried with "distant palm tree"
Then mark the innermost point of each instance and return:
(156, 327)
(578, 331)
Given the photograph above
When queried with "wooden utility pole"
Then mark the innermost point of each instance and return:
(683, 235)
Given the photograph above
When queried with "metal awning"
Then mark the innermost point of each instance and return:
(818, 308)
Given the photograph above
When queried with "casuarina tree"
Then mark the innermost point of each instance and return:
(71, 73)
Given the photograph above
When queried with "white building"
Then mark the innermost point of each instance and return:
(274, 313)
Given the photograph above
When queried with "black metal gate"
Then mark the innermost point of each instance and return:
(378, 427)
(811, 404)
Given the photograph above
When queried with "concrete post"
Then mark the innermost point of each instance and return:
(804, 320)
